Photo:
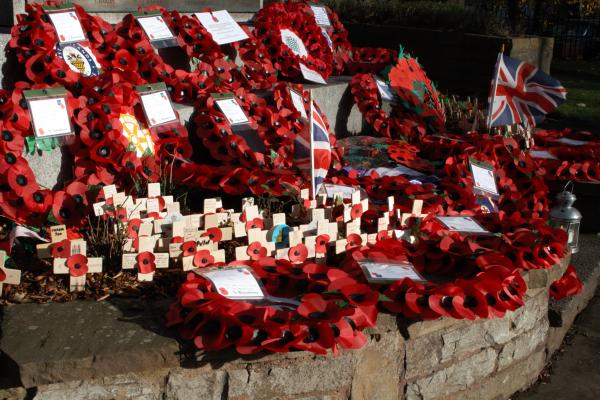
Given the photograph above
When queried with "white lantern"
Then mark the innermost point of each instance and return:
(567, 217)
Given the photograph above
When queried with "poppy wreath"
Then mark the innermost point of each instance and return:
(570, 162)
(396, 125)
(332, 311)
(257, 71)
(275, 17)
(34, 40)
(136, 54)
(102, 154)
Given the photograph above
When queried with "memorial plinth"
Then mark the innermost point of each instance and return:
(120, 349)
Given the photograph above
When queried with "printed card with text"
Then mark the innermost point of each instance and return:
(386, 92)
(321, 16)
(484, 179)
(155, 27)
(49, 112)
(156, 104)
(67, 25)
(229, 106)
(311, 75)
(388, 271)
(222, 27)
(237, 283)
(463, 225)
(298, 103)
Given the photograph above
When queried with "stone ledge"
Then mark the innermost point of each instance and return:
(119, 348)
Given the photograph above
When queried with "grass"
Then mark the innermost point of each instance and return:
(582, 80)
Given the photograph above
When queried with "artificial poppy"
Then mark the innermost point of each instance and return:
(133, 228)
(356, 211)
(77, 264)
(256, 250)
(123, 60)
(189, 248)
(352, 241)
(203, 258)
(146, 262)
(321, 243)
(298, 253)
(256, 223)
(214, 234)
(313, 306)
(61, 249)
(568, 285)
(360, 295)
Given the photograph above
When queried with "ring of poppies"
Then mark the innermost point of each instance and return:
(366, 96)
(275, 17)
(34, 41)
(257, 71)
(331, 312)
(102, 154)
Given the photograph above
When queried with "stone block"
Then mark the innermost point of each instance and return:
(197, 383)
(504, 384)
(379, 370)
(52, 168)
(76, 341)
(454, 378)
(541, 278)
(524, 345)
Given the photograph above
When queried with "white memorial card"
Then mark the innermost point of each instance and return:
(67, 26)
(294, 43)
(385, 91)
(235, 283)
(50, 117)
(484, 179)
(233, 111)
(389, 271)
(158, 108)
(571, 142)
(311, 75)
(462, 224)
(543, 154)
(298, 103)
(321, 16)
(155, 27)
(222, 27)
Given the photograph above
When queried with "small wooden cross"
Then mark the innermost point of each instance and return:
(77, 265)
(145, 260)
(8, 276)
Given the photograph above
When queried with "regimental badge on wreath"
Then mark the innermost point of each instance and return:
(79, 58)
(140, 138)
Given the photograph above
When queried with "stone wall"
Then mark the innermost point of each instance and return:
(125, 353)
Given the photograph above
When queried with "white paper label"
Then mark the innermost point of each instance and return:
(222, 27)
(311, 75)
(50, 117)
(385, 91)
(298, 103)
(571, 142)
(462, 224)
(235, 283)
(543, 154)
(484, 179)
(155, 27)
(294, 43)
(389, 271)
(158, 108)
(321, 15)
(67, 26)
(232, 110)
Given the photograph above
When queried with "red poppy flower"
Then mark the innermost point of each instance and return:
(213, 234)
(298, 253)
(357, 211)
(383, 235)
(145, 262)
(442, 301)
(39, 200)
(125, 61)
(189, 248)
(321, 243)
(78, 265)
(353, 240)
(255, 223)
(568, 285)
(61, 249)
(2, 275)
(360, 295)
(21, 178)
(314, 306)
(133, 227)
(203, 258)
(256, 250)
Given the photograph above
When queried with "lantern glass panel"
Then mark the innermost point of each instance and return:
(573, 231)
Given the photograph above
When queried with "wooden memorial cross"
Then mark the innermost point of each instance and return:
(145, 260)
(8, 276)
(77, 265)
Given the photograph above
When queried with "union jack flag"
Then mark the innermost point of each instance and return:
(522, 94)
(314, 153)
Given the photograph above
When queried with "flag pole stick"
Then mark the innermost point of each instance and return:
(494, 88)
(312, 145)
